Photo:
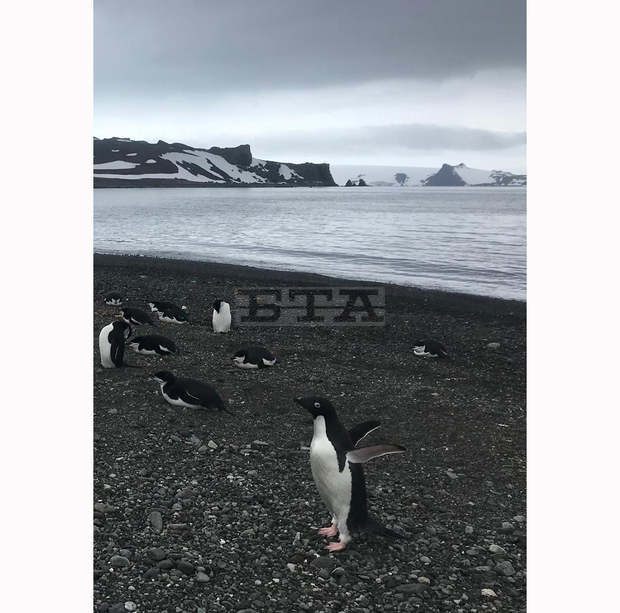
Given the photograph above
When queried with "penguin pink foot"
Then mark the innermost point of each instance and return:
(335, 546)
(330, 531)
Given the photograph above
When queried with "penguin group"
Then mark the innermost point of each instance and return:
(335, 458)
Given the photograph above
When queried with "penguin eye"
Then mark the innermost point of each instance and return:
(317, 405)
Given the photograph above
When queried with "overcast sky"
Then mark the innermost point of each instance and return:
(411, 82)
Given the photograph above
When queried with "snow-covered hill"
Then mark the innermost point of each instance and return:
(446, 176)
(122, 162)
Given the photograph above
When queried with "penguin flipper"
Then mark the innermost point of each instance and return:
(362, 455)
(357, 433)
(116, 352)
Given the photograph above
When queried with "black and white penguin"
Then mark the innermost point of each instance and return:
(336, 466)
(428, 348)
(221, 316)
(136, 316)
(112, 343)
(162, 305)
(189, 393)
(172, 314)
(253, 357)
(152, 344)
(113, 299)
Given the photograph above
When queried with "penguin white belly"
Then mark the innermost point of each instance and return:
(221, 320)
(334, 486)
(105, 347)
(178, 402)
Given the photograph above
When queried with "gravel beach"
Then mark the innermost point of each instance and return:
(199, 511)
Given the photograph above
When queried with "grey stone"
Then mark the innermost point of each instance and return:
(157, 554)
(411, 588)
(151, 573)
(488, 592)
(212, 445)
(493, 345)
(323, 562)
(156, 521)
(119, 562)
(185, 567)
(104, 507)
(497, 550)
(130, 606)
(504, 568)
(166, 564)
(202, 577)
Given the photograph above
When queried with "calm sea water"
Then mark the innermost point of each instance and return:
(462, 239)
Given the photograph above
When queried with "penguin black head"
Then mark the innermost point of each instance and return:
(216, 305)
(316, 406)
(164, 376)
(240, 354)
(122, 326)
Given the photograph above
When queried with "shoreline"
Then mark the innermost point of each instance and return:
(444, 300)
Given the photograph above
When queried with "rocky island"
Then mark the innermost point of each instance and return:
(122, 162)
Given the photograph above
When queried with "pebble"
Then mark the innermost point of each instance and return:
(151, 573)
(451, 474)
(130, 606)
(497, 550)
(185, 567)
(469, 529)
(488, 592)
(202, 577)
(104, 507)
(156, 521)
(166, 564)
(505, 568)
(519, 518)
(493, 345)
(324, 573)
(291, 567)
(212, 445)
(507, 527)
(157, 553)
(338, 571)
(119, 562)
(424, 580)
(323, 562)
(425, 560)
(411, 588)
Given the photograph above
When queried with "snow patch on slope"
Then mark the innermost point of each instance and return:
(116, 165)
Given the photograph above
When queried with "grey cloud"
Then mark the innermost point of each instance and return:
(408, 137)
(157, 47)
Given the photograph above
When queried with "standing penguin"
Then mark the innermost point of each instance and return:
(429, 349)
(337, 471)
(253, 357)
(189, 393)
(221, 316)
(136, 316)
(112, 343)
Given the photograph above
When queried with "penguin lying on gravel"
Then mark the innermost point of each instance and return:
(112, 343)
(152, 344)
(336, 465)
(253, 357)
(189, 393)
(429, 349)
(113, 299)
(136, 316)
(162, 305)
(172, 314)
(221, 316)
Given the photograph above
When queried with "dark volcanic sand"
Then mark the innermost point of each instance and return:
(231, 514)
